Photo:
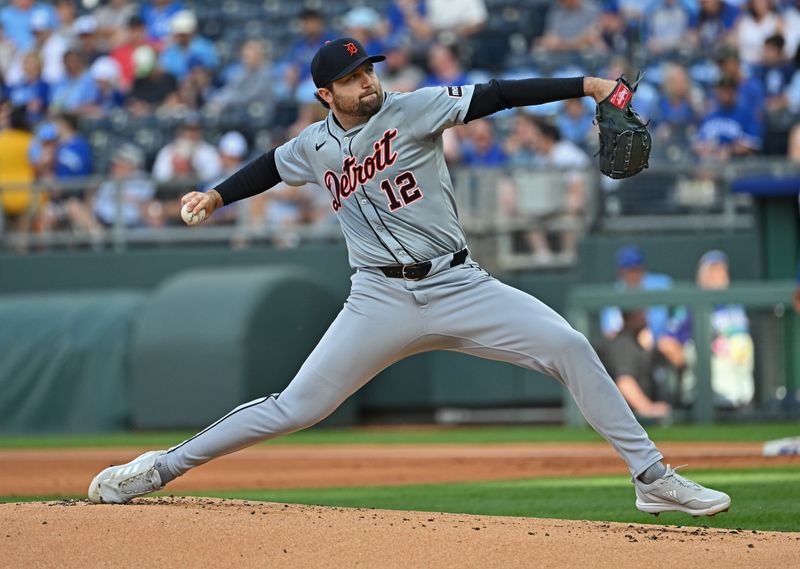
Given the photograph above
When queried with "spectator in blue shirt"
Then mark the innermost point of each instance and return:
(15, 19)
(445, 68)
(78, 90)
(676, 114)
(714, 24)
(107, 75)
(750, 91)
(481, 148)
(74, 155)
(775, 73)
(633, 274)
(158, 18)
(32, 93)
(732, 129)
(186, 45)
(72, 159)
(296, 65)
(575, 121)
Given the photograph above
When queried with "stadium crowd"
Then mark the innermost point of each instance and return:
(146, 95)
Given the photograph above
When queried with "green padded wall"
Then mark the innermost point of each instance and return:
(210, 340)
(64, 361)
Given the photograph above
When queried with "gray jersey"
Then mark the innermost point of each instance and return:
(387, 178)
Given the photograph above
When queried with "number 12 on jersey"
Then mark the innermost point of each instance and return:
(407, 188)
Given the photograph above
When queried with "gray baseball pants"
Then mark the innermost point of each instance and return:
(387, 319)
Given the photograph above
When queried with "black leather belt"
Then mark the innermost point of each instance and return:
(418, 271)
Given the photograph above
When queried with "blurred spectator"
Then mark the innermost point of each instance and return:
(136, 36)
(520, 144)
(667, 27)
(85, 28)
(791, 28)
(407, 22)
(397, 72)
(572, 26)
(731, 345)
(188, 155)
(186, 45)
(112, 22)
(479, 147)
(554, 153)
(775, 73)
(444, 66)
(152, 87)
(283, 209)
(677, 112)
(732, 129)
(15, 19)
(158, 18)
(632, 362)
(127, 194)
(633, 275)
(714, 25)
(750, 91)
(78, 90)
(106, 74)
(367, 26)
(66, 13)
(251, 81)
(297, 62)
(575, 122)
(18, 202)
(64, 155)
(458, 20)
(32, 93)
(52, 42)
(197, 87)
(233, 150)
(759, 21)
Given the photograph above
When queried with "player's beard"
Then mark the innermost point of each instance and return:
(360, 106)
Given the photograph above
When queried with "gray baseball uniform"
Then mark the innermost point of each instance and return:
(390, 188)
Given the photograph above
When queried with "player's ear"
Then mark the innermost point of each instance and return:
(325, 94)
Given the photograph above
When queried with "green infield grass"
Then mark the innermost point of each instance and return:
(421, 435)
(763, 499)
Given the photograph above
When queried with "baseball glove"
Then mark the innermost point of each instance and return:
(625, 142)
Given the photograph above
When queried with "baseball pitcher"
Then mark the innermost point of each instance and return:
(415, 288)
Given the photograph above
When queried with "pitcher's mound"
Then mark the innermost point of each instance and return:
(206, 532)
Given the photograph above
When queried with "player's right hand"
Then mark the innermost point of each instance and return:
(209, 201)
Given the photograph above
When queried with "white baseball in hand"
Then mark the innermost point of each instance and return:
(190, 218)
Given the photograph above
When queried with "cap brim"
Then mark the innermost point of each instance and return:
(353, 66)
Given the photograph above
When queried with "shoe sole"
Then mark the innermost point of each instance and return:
(655, 508)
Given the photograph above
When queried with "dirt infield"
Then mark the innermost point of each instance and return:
(68, 472)
(195, 532)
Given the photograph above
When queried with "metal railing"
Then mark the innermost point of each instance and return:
(501, 209)
(586, 300)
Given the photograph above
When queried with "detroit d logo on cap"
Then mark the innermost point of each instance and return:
(351, 48)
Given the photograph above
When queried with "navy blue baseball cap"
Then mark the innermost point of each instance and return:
(337, 58)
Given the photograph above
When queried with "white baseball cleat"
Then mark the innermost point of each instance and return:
(674, 493)
(120, 484)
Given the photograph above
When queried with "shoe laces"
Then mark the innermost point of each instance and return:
(683, 481)
(140, 483)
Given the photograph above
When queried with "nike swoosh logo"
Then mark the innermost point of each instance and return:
(318, 146)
